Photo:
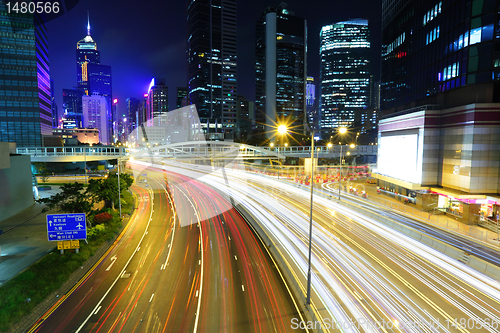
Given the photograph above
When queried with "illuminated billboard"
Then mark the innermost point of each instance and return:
(400, 156)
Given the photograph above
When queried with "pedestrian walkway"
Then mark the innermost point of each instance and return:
(444, 222)
(24, 239)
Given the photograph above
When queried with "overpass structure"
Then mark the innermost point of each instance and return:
(207, 150)
(325, 152)
(193, 150)
(72, 154)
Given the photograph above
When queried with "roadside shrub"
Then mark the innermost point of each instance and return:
(103, 218)
(95, 231)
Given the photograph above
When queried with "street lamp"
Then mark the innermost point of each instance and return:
(342, 130)
(85, 158)
(119, 191)
(282, 129)
(308, 297)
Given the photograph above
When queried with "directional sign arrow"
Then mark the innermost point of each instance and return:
(52, 236)
(113, 259)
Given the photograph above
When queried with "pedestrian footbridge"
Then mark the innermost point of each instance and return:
(193, 150)
(72, 154)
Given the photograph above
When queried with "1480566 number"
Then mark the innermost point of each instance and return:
(33, 7)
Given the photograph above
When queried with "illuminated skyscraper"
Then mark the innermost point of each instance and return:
(25, 98)
(312, 110)
(281, 58)
(344, 74)
(212, 81)
(86, 53)
(157, 100)
(92, 77)
(53, 106)
(182, 94)
(95, 115)
(72, 108)
(132, 110)
(99, 82)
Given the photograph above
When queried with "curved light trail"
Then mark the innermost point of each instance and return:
(367, 277)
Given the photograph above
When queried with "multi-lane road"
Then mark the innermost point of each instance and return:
(366, 276)
(187, 262)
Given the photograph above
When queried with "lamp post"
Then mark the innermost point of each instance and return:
(308, 297)
(85, 166)
(342, 130)
(119, 191)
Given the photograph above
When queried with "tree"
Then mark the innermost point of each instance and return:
(107, 189)
(71, 199)
(41, 168)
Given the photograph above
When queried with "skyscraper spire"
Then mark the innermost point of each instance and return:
(88, 24)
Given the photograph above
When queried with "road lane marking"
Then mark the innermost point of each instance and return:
(235, 257)
(113, 259)
(99, 308)
(201, 250)
(243, 287)
(196, 293)
(115, 281)
(151, 298)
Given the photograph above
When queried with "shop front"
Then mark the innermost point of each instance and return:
(463, 208)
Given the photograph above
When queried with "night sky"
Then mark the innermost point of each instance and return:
(145, 39)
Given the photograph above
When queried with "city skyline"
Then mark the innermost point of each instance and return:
(145, 43)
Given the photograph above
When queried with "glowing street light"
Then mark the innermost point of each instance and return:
(282, 129)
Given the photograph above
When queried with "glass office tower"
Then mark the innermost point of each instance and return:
(181, 97)
(344, 74)
(157, 100)
(72, 108)
(25, 98)
(211, 43)
(280, 69)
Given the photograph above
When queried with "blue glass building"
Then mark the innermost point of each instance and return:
(344, 74)
(25, 98)
(212, 64)
(72, 108)
(280, 69)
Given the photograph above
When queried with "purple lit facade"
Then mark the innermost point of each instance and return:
(25, 98)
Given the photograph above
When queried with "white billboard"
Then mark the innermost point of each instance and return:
(400, 156)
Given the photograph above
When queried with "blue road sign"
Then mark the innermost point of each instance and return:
(66, 227)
